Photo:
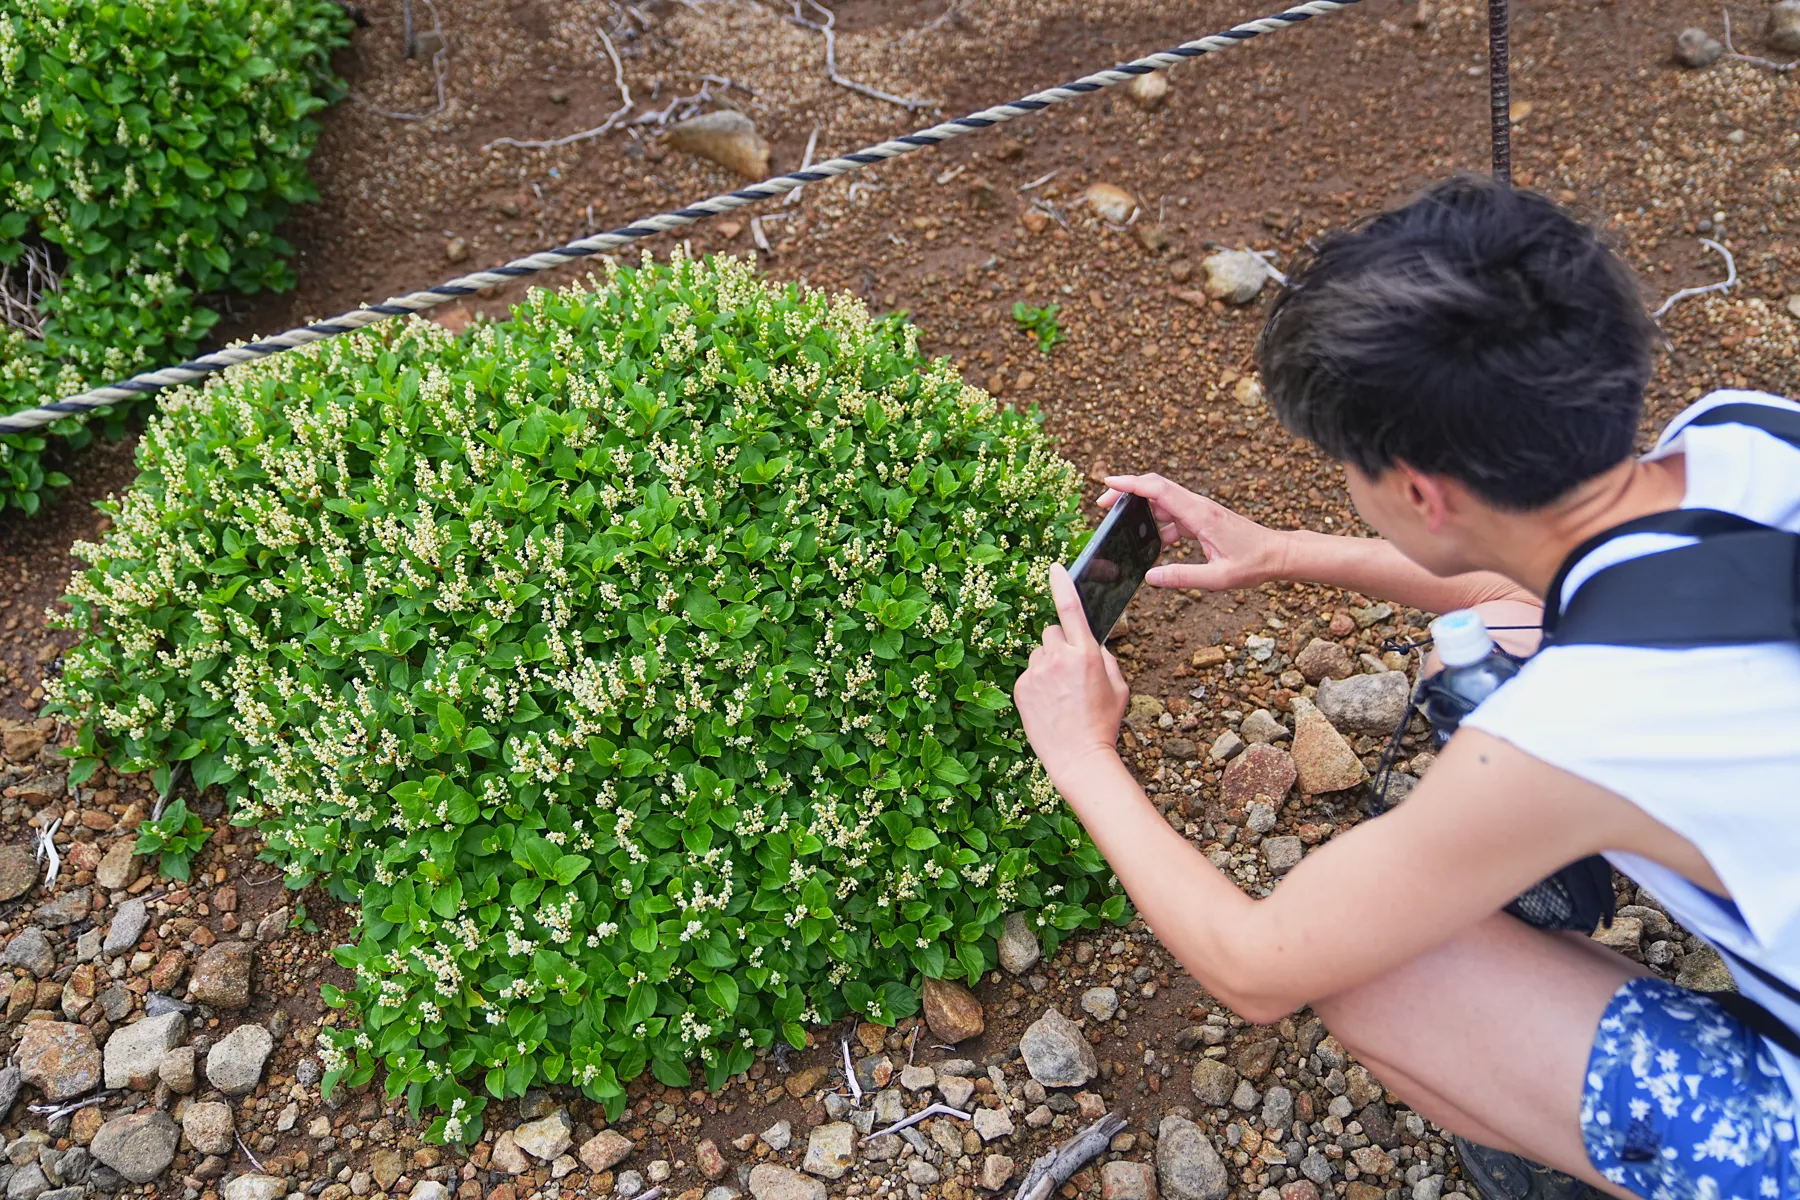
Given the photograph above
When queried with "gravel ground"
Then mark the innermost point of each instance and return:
(1259, 149)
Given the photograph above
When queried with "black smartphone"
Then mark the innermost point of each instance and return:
(1111, 566)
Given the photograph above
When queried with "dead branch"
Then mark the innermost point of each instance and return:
(812, 144)
(21, 294)
(689, 105)
(1722, 286)
(911, 104)
(1052, 1170)
(930, 25)
(607, 126)
(1753, 60)
(440, 70)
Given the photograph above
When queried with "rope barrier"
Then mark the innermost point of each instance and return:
(187, 372)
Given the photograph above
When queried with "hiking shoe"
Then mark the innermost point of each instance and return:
(1498, 1175)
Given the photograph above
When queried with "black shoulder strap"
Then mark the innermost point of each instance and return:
(1783, 423)
(1738, 585)
(1753, 1015)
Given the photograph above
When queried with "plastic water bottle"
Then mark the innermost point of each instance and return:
(1473, 668)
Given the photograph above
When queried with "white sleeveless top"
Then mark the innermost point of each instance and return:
(1705, 740)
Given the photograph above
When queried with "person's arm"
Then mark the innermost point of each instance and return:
(1486, 823)
(1240, 553)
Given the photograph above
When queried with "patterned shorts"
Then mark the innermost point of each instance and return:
(1684, 1103)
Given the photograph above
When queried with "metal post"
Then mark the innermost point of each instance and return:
(1500, 90)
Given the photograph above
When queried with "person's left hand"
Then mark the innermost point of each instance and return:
(1072, 696)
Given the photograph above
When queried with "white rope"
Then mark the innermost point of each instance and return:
(466, 285)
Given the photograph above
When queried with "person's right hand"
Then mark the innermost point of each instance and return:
(1239, 552)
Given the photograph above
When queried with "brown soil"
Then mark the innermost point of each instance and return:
(1267, 147)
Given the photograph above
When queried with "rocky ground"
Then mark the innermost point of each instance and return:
(184, 1014)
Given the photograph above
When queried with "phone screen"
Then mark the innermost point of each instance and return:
(1110, 568)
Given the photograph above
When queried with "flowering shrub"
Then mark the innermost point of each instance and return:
(640, 665)
(153, 147)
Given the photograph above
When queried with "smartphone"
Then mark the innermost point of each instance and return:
(1110, 568)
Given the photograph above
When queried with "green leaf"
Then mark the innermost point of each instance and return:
(921, 839)
(723, 991)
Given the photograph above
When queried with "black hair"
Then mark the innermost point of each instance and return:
(1479, 333)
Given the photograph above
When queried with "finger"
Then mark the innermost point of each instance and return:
(1068, 607)
(1170, 532)
(1053, 637)
(1189, 575)
(1112, 670)
(1109, 497)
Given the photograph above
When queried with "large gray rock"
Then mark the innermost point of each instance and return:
(547, 1137)
(254, 1187)
(830, 1151)
(1019, 949)
(1696, 48)
(1213, 1082)
(18, 870)
(236, 1063)
(222, 976)
(31, 949)
(27, 1183)
(9, 1090)
(135, 1052)
(67, 909)
(58, 1058)
(1365, 703)
(770, 1182)
(126, 928)
(139, 1146)
(209, 1127)
(1055, 1052)
(1783, 33)
(1234, 276)
(1187, 1166)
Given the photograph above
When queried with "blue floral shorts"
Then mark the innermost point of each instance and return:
(1685, 1103)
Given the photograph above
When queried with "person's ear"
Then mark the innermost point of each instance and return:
(1426, 495)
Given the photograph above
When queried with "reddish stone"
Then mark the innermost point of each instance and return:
(1261, 770)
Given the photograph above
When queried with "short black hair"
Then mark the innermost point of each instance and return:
(1479, 333)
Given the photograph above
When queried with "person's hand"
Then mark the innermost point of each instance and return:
(1072, 696)
(1239, 552)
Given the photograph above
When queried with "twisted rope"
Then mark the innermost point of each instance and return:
(187, 372)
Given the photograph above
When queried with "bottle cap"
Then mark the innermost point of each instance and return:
(1461, 638)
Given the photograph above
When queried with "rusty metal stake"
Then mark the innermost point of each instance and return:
(1500, 90)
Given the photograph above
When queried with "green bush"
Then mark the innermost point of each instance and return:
(153, 148)
(641, 665)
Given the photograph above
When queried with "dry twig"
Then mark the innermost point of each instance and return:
(19, 297)
(1052, 1170)
(1722, 286)
(849, 1068)
(930, 25)
(607, 126)
(812, 143)
(1753, 60)
(46, 848)
(909, 103)
(440, 70)
(930, 1110)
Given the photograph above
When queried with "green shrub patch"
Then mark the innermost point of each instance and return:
(149, 149)
(640, 665)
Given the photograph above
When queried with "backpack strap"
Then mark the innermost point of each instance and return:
(1738, 585)
(1783, 423)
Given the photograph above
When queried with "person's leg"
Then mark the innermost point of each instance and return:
(1489, 1036)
